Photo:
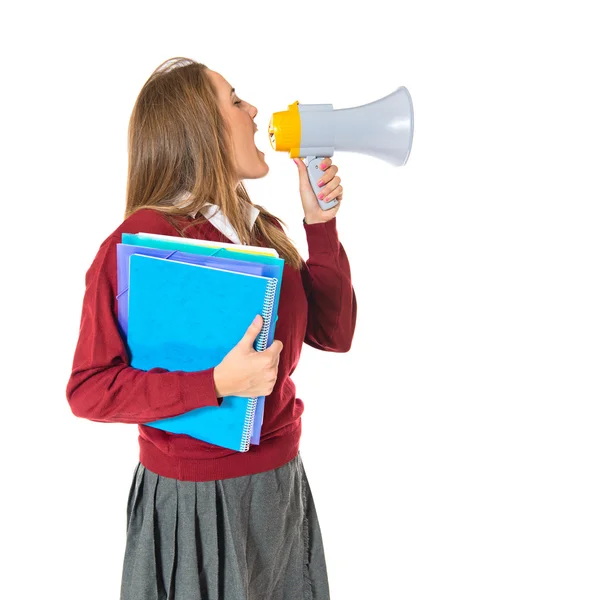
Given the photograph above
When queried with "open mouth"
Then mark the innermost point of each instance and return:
(272, 135)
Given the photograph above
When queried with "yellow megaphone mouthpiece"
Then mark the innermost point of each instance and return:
(285, 130)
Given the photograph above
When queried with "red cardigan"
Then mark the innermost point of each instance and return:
(317, 306)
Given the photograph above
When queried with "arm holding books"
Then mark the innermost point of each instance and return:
(103, 387)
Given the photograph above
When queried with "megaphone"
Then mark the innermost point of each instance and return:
(383, 129)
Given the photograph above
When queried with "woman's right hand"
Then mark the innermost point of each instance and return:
(246, 372)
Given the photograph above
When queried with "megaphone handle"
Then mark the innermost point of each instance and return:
(313, 164)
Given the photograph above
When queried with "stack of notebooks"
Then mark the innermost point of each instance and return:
(183, 304)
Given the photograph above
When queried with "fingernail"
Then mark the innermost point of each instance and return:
(323, 166)
(320, 183)
(321, 195)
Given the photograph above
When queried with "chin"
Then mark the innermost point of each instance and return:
(258, 170)
(265, 169)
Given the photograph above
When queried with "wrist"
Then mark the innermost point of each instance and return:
(312, 222)
(220, 391)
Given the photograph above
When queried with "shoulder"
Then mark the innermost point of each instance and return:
(145, 220)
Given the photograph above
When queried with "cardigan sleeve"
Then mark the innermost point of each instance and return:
(327, 282)
(103, 386)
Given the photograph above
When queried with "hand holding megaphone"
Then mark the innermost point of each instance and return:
(383, 128)
(330, 192)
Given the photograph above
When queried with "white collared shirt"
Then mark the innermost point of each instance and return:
(213, 213)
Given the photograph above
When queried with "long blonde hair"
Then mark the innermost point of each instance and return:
(179, 144)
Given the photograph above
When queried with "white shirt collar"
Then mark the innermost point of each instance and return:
(213, 213)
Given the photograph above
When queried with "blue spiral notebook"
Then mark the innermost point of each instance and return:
(187, 317)
(225, 251)
(174, 248)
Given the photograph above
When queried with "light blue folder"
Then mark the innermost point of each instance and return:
(187, 317)
(271, 266)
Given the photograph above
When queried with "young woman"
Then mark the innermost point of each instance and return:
(205, 522)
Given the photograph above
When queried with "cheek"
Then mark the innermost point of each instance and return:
(244, 140)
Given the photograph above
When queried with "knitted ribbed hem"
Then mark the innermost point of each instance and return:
(269, 454)
(322, 238)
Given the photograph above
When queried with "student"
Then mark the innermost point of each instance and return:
(205, 522)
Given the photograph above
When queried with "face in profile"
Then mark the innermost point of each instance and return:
(239, 115)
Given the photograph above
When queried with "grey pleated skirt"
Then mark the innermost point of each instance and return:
(255, 537)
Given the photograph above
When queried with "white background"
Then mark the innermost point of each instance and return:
(453, 452)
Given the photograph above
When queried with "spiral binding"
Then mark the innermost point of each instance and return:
(248, 425)
(267, 314)
(261, 344)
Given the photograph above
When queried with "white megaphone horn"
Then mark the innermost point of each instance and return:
(383, 129)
